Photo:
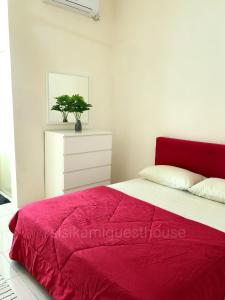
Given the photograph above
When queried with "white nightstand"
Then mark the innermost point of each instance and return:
(74, 161)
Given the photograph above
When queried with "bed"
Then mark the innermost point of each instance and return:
(131, 240)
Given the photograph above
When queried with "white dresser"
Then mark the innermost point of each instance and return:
(75, 161)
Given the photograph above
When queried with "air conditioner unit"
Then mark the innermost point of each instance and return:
(87, 7)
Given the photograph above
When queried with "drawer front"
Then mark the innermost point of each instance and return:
(81, 161)
(83, 144)
(87, 186)
(86, 177)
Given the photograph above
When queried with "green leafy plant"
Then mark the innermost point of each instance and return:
(74, 104)
(63, 105)
(78, 106)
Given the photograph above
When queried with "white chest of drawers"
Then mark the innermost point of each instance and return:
(74, 161)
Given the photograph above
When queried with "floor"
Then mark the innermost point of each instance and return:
(23, 284)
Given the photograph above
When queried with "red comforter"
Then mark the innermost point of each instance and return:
(103, 244)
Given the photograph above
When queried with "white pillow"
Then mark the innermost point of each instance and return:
(210, 188)
(171, 176)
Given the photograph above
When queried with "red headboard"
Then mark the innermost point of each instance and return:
(204, 158)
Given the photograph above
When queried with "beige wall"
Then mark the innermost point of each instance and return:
(169, 77)
(168, 63)
(47, 38)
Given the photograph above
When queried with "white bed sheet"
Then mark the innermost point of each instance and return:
(183, 203)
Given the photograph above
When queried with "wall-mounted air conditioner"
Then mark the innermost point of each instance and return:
(87, 7)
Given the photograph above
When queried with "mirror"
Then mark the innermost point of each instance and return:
(66, 84)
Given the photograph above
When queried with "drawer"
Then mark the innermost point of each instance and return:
(81, 161)
(84, 187)
(82, 144)
(86, 177)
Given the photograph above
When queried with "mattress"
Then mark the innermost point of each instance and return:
(103, 244)
(183, 203)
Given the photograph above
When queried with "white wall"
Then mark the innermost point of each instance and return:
(6, 119)
(169, 77)
(47, 38)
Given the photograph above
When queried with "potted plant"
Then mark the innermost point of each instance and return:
(78, 106)
(63, 105)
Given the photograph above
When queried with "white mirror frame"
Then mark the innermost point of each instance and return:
(50, 119)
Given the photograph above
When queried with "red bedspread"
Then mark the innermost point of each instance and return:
(103, 244)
